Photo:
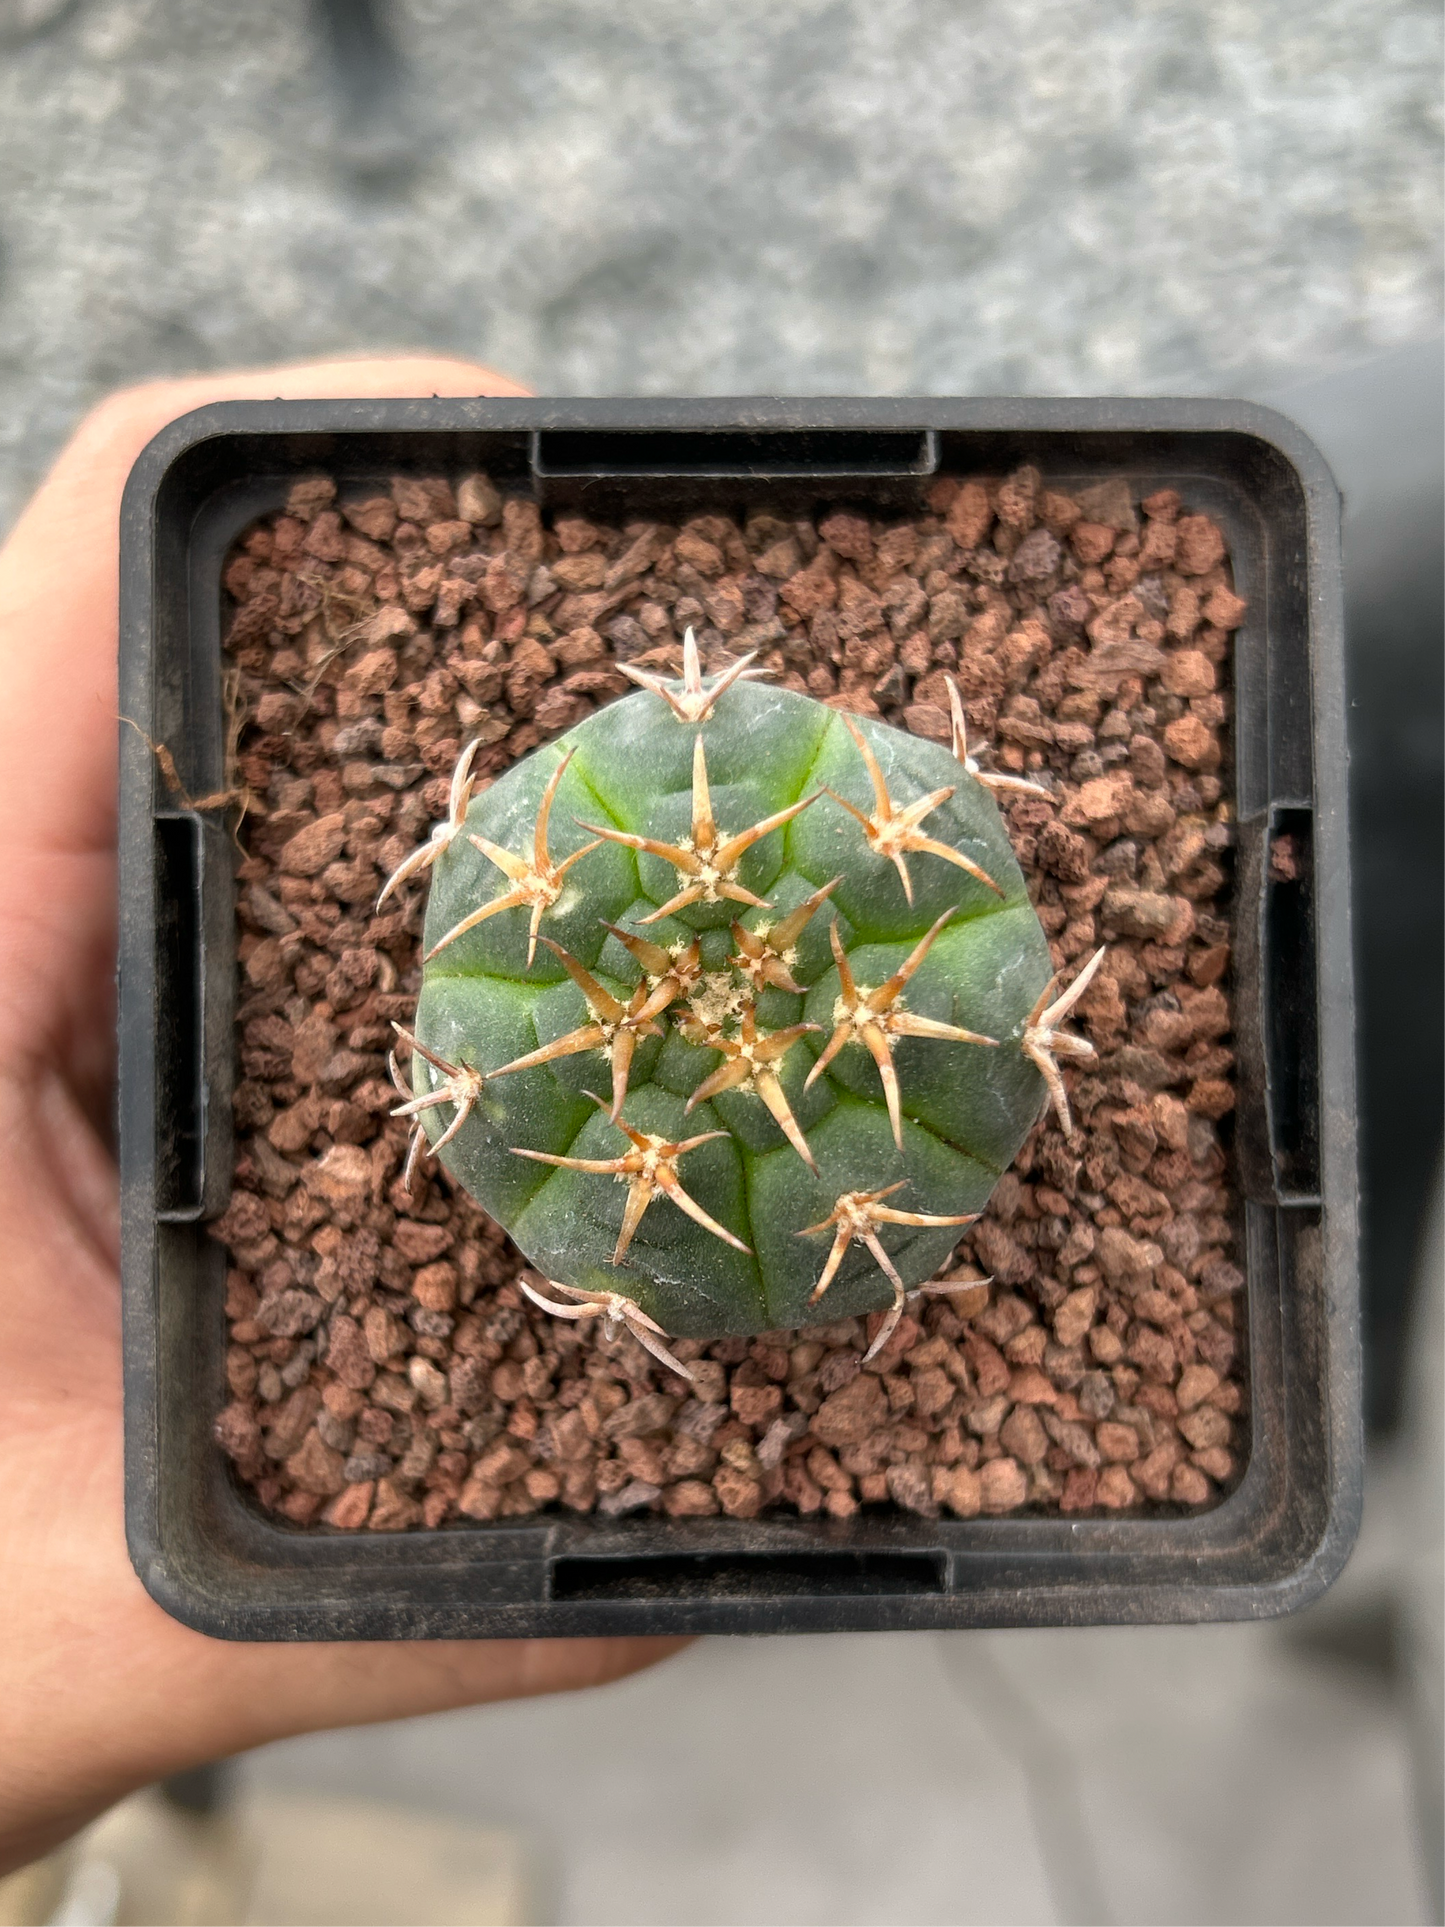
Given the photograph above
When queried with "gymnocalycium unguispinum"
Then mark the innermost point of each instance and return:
(734, 1008)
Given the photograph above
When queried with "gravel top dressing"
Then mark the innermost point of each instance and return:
(385, 1368)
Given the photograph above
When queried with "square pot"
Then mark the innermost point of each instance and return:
(1273, 1544)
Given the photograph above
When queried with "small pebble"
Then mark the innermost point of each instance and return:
(384, 1371)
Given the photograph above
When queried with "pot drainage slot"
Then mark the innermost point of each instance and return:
(763, 454)
(761, 1575)
(180, 1105)
(1292, 1036)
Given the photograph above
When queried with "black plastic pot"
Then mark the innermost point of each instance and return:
(213, 1560)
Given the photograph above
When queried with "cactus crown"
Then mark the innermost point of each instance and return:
(734, 1008)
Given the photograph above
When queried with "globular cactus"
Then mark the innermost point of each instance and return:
(734, 1008)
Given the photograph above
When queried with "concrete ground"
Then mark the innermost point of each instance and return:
(1278, 1773)
(289, 1858)
(1275, 1773)
(1222, 1774)
(1035, 196)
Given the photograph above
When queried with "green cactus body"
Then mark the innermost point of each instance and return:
(964, 1107)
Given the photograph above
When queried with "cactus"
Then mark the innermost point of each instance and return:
(734, 1008)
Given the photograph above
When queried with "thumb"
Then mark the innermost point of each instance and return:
(59, 576)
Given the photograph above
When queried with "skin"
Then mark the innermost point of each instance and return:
(101, 1692)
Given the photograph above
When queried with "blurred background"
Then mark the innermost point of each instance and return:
(831, 196)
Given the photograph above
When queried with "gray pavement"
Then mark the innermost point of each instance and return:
(1017, 195)
(1214, 1774)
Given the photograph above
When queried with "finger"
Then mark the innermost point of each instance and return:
(59, 586)
(252, 1695)
(100, 1689)
(276, 1691)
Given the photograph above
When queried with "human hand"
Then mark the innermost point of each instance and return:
(100, 1691)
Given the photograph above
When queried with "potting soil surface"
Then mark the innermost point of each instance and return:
(385, 1371)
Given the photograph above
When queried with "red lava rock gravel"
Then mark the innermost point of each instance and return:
(384, 1369)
